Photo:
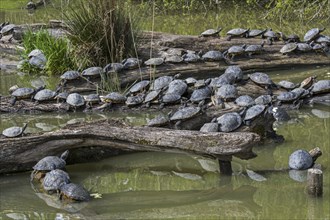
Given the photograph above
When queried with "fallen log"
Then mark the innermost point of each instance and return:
(21, 153)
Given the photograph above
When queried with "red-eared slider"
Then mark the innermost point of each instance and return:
(55, 179)
(201, 94)
(92, 72)
(271, 36)
(177, 86)
(256, 32)
(210, 127)
(115, 97)
(263, 100)
(287, 97)
(300, 160)
(161, 82)
(131, 63)
(113, 68)
(173, 59)
(154, 61)
(292, 38)
(23, 93)
(91, 99)
(48, 163)
(321, 86)
(158, 121)
(213, 55)
(211, 33)
(69, 75)
(170, 98)
(301, 92)
(306, 83)
(75, 100)
(234, 51)
(288, 48)
(253, 112)
(168, 51)
(312, 34)
(61, 96)
(234, 72)
(74, 192)
(44, 95)
(139, 87)
(14, 131)
(151, 97)
(185, 114)
(318, 48)
(254, 49)
(261, 79)
(135, 100)
(224, 79)
(7, 29)
(227, 92)
(37, 58)
(229, 122)
(287, 84)
(244, 101)
(303, 47)
(237, 32)
(191, 57)
(324, 41)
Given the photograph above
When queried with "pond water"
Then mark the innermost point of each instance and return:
(154, 185)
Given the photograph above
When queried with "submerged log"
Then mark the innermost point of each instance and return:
(21, 153)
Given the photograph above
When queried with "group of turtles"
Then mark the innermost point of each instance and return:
(49, 172)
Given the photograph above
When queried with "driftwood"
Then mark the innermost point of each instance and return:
(21, 153)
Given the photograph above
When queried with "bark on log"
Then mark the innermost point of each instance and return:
(21, 153)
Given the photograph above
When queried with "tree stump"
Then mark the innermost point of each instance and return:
(315, 182)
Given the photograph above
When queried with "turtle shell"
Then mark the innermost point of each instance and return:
(151, 96)
(171, 98)
(94, 71)
(200, 94)
(229, 122)
(115, 97)
(287, 84)
(177, 86)
(158, 121)
(154, 61)
(173, 59)
(75, 100)
(75, 192)
(312, 34)
(185, 113)
(303, 47)
(161, 82)
(191, 57)
(306, 83)
(288, 48)
(135, 100)
(50, 163)
(8, 29)
(94, 98)
(256, 32)
(245, 101)
(210, 32)
(321, 86)
(301, 92)
(234, 73)
(140, 86)
(14, 131)
(131, 63)
(213, 55)
(210, 127)
(44, 95)
(55, 179)
(237, 32)
(253, 112)
(70, 75)
(300, 160)
(261, 78)
(227, 92)
(113, 68)
(263, 100)
(236, 49)
(23, 93)
(287, 96)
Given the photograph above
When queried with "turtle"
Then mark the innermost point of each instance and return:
(185, 114)
(7, 29)
(131, 63)
(168, 51)
(134, 100)
(263, 100)
(114, 97)
(173, 59)
(154, 61)
(244, 101)
(301, 92)
(170, 98)
(292, 38)
(190, 81)
(323, 40)
(55, 179)
(22, 93)
(300, 160)
(161, 82)
(288, 48)
(318, 48)
(44, 95)
(304, 47)
(210, 127)
(113, 68)
(287, 84)
(191, 57)
(262, 79)
(201, 94)
(202, 83)
(158, 121)
(306, 83)
(254, 49)
(139, 87)
(69, 75)
(227, 92)
(75, 192)
(91, 99)
(151, 96)
(287, 97)
(213, 55)
(256, 32)
(234, 72)
(271, 36)
(229, 122)
(75, 100)
(48, 163)
(280, 114)
(234, 51)
(211, 32)
(37, 58)
(177, 86)
(253, 112)
(312, 34)
(91, 72)
(237, 32)
(14, 131)
(61, 96)
(224, 79)
(322, 86)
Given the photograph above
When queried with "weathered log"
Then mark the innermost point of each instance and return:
(314, 182)
(21, 153)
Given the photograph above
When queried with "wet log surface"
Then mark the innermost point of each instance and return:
(21, 153)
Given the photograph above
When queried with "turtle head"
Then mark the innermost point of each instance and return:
(219, 29)
(321, 29)
(65, 155)
(24, 127)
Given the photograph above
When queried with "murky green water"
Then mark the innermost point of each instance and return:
(178, 186)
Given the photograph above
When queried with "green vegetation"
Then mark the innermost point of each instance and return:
(57, 51)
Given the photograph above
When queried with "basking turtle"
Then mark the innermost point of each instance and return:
(227, 92)
(211, 33)
(234, 73)
(292, 38)
(158, 121)
(256, 32)
(170, 98)
(113, 68)
(213, 55)
(154, 61)
(288, 48)
(234, 51)
(92, 72)
(263, 100)
(48, 163)
(312, 34)
(323, 40)
(139, 87)
(114, 97)
(271, 36)
(191, 57)
(306, 83)
(14, 131)
(304, 47)
(201, 94)
(61, 96)
(210, 127)
(300, 160)
(74, 192)
(185, 114)
(75, 100)
(135, 100)
(237, 32)
(280, 114)
(318, 48)
(321, 86)
(177, 86)
(131, 63)
(244, 101)
(91, 99)
(262, 79)
(224, 79)
(23, 93)
(287, 84)
(253, 112)
(301, 92)
(44, 95)
(69, 75)
(151, 97)
(7, 29)
(173, 59)
(161, 82)
(254, 49)
(229, 122)
(287, 97)
(55, 179)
